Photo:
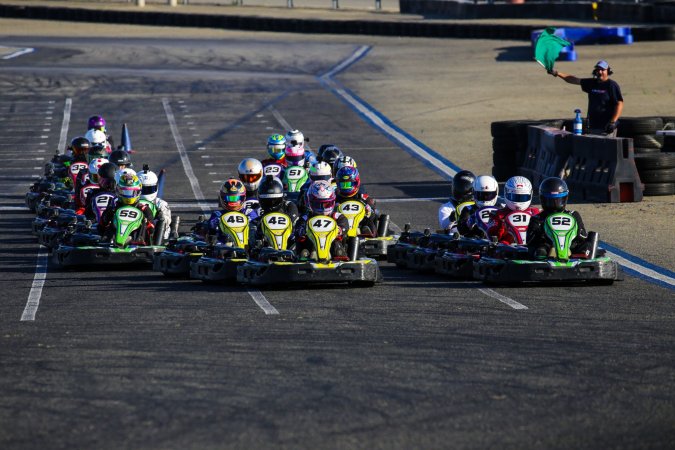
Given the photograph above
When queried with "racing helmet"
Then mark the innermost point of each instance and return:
(96, 123)
(553, 193)
(331, 154)
(295, 138)
(323, 149)
(462, 185)
(120, 158)
(271, 193)
(343, 161)
(232, 195)
(128, 189)
(250, 173)
(80, 146)
(149, 180)
(96, 137)
(96, 151)
(276, 146)
(518, 193)
(123, 172)
(106, 176)
(295, 156)
(320, 171)
(485, 190)
(94, 165)
(321, 197)
(348, 181)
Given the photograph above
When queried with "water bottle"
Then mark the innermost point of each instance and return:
(578, 122)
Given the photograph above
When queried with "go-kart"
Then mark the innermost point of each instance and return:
(128, 244)
(374, 244)
(219, 261)
(511, 264)
(320, 265)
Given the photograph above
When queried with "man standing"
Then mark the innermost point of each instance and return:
(605, 101)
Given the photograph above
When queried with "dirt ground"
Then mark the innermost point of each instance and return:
(446, 92)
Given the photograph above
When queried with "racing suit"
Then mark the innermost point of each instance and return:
(303, 243)
(448, 215)
(499, 229)
(539, 244)
(106, 229)
(372, 214)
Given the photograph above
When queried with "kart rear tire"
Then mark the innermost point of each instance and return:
(657, 189)
(631, 126)
(657, 176)
(653, 161)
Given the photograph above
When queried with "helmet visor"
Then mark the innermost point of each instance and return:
(149, 190)
(128, 192)
(519, 198)
(322, 206)
(347, 186)
(250, 177)
(482, 196)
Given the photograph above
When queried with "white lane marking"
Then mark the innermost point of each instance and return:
(19, 53)
(188, 205)
(344, 64)
(187, 167)
(502, 298)
(641, 269)
(277, 115)
(411, 199)
(262, 302)
(65, 124)
(36, 289)
(13, 208)
(258, 297)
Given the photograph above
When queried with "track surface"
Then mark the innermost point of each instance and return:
(132, 359)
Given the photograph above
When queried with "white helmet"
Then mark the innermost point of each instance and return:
(320, 171)
(518, 193)
(295, 138)
(485, 190)
(94, 165)
(342, 162)
(149, 180)
(250, 173)
(122, 172)
(96, 137)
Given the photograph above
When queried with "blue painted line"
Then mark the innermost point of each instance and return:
(631, 264)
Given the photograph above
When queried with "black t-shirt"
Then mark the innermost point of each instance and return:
(603, 97)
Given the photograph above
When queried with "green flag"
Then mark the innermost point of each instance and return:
(548, 47)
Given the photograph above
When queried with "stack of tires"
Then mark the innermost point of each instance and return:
(509, 144)
(654, 154)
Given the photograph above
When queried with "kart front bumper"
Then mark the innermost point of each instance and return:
(215, 270)
(68, 256)
(493, 270)
(363, 271)
(174, 264)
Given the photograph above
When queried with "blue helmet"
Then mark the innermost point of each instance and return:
(276, 144)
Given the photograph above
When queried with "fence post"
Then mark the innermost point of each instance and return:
(336, 4)
(172, 2)
(378, 5)
(140, 3)
(289, 3)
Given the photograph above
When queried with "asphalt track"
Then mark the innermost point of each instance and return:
(130, 359)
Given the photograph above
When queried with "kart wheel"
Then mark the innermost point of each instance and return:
(651, 161)
(657, 176)
(656, 189)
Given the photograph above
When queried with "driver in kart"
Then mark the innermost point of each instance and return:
(105, 188)
(471, 222)
(320, 202)
(271, 196)
(128, 189)
(518, 196)
(295, 143)
(348, 183)
(250, 174)
(317, 171)
(231, 197)
(462, 195)
(276, 149)
(553, 193)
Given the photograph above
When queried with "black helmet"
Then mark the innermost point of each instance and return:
(462, 184)
(119, 158)
(106, 175)
(329, 153)
(96, 151)
(271, 193)
(80, 146)
(553, 194)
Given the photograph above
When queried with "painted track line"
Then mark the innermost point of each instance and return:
(19, 53)
(632, 265)
(502, 298)
(257, 296)
(33, 302)
(36, 289)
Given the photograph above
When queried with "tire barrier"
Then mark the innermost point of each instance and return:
(603, 169)
(657, 172)
(509, 144)
(321, 26)
(548, 150)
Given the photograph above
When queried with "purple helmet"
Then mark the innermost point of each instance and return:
(96, 123)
